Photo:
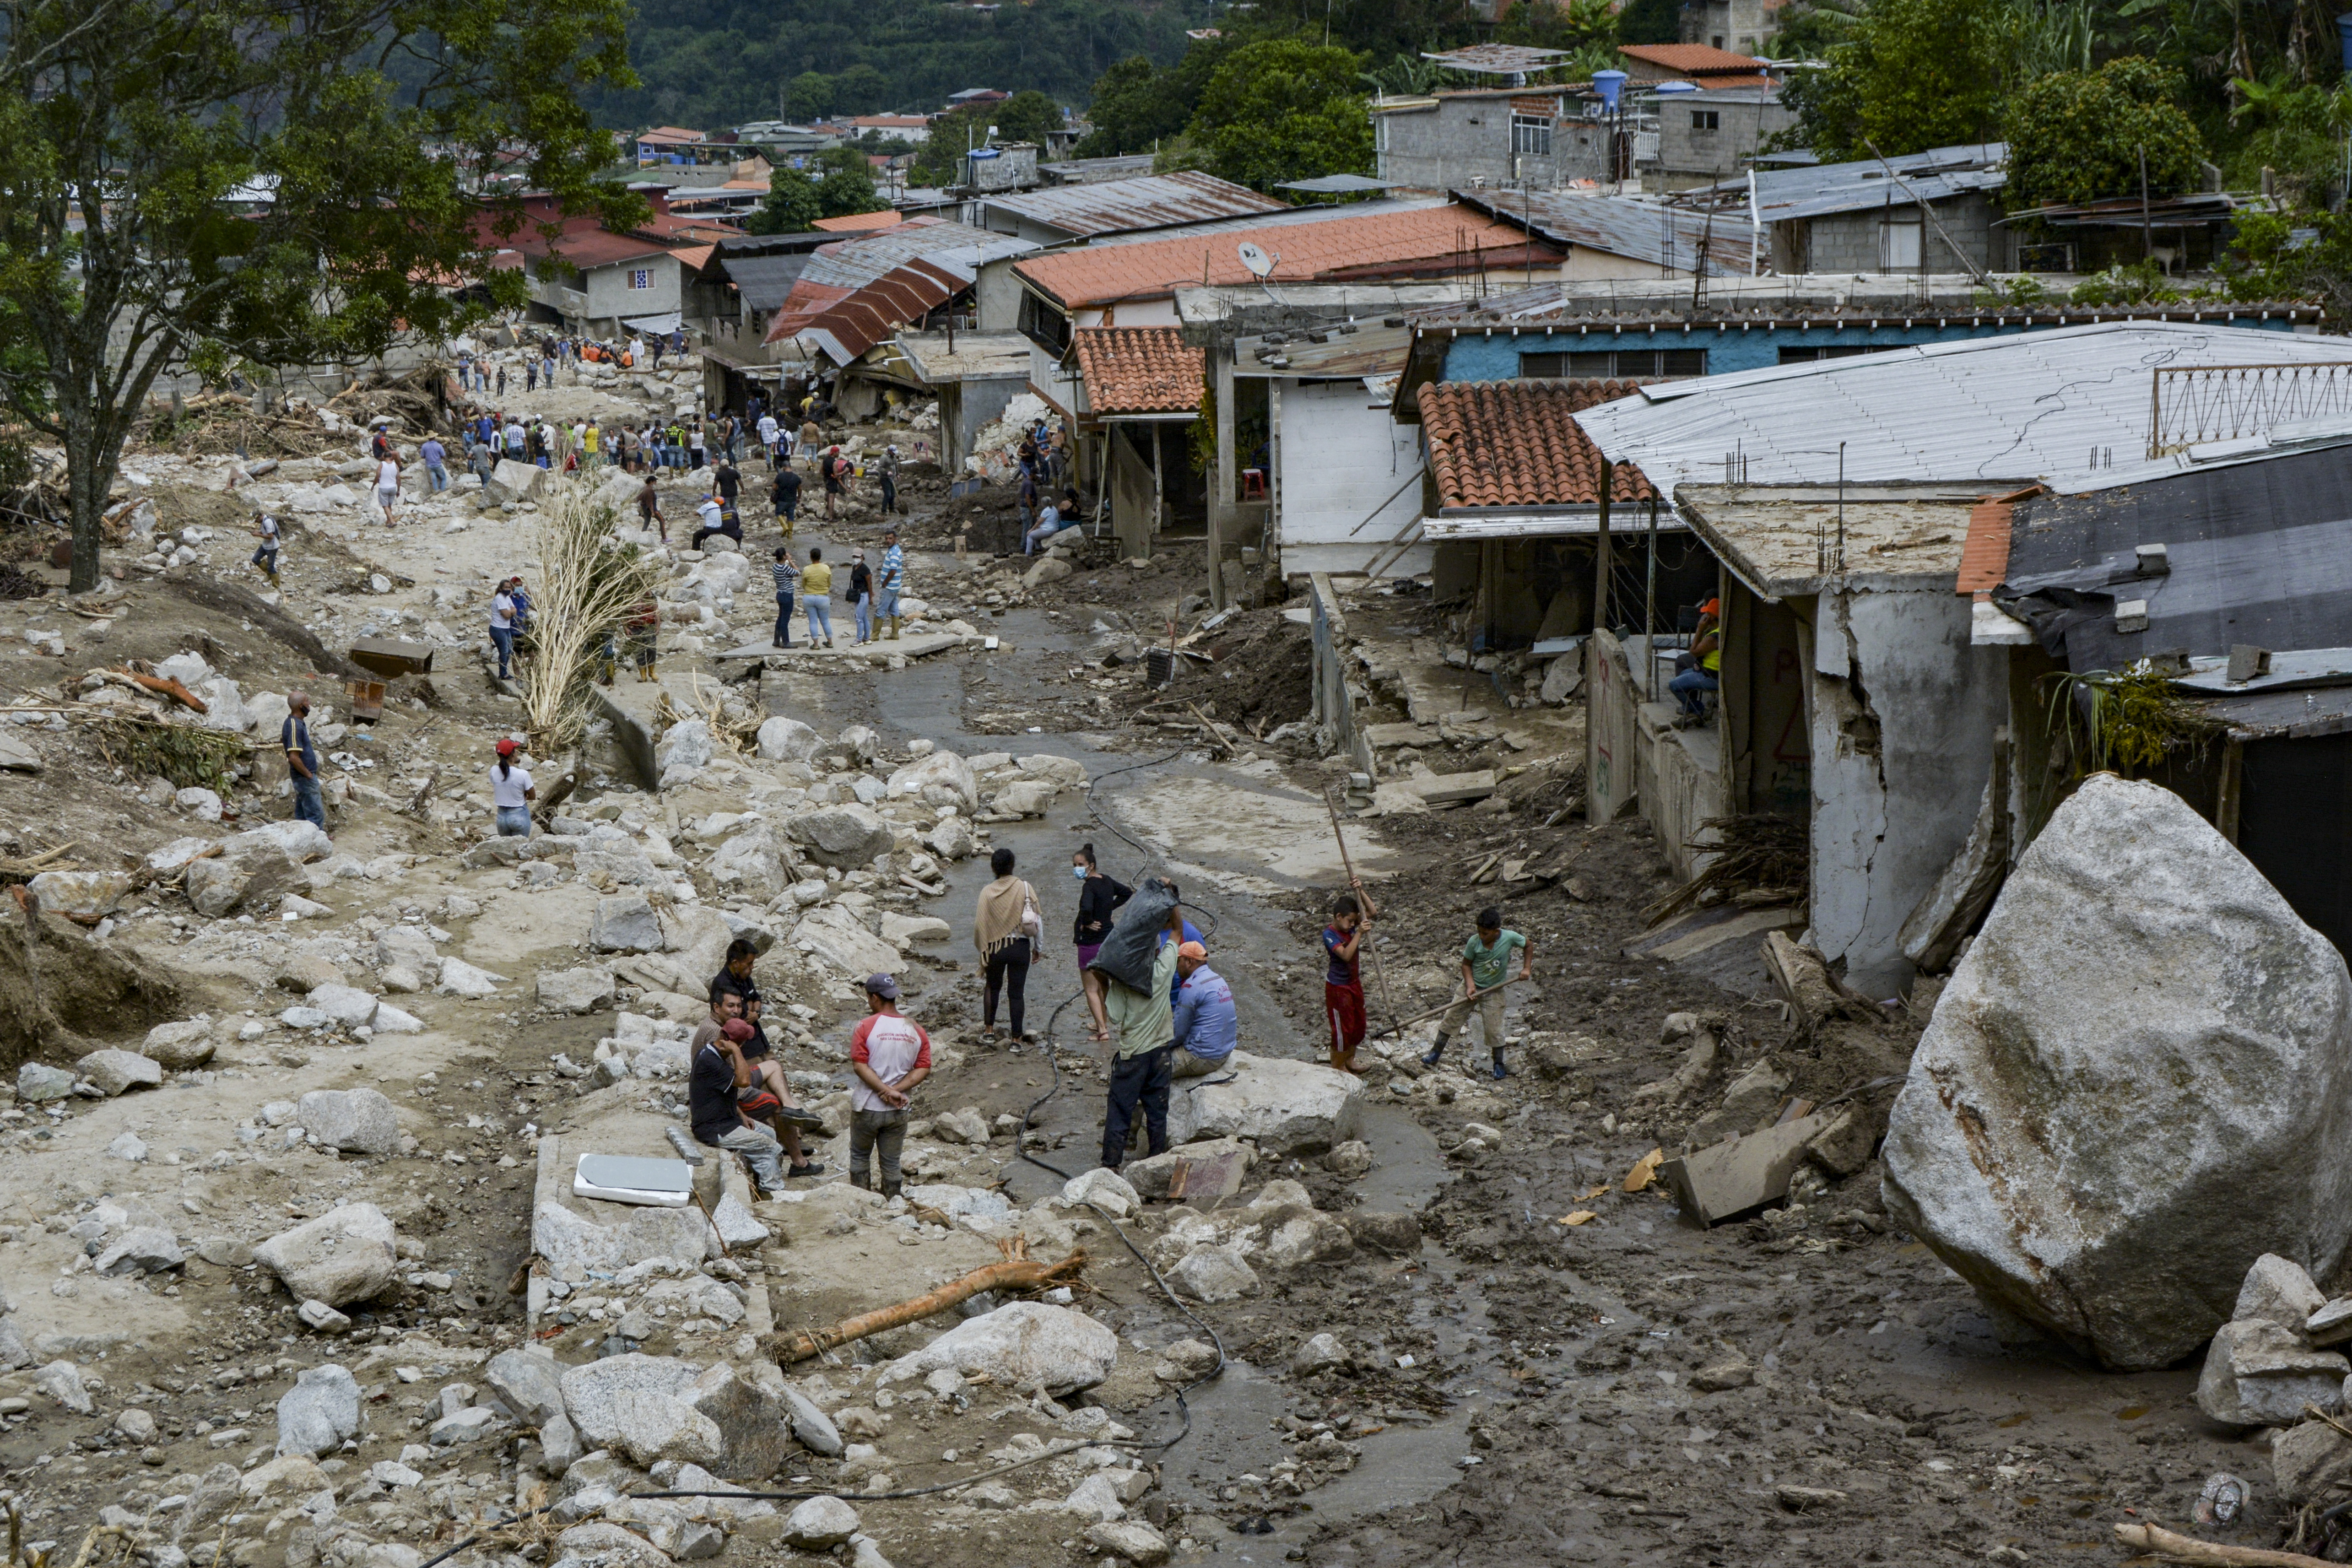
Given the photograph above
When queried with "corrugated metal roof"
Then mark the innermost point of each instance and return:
(1622, 225)
(1372, 348)
(1128, 206)
(977, 356)
(854, 293)
(2033, 405)
(1937, 174)
(764, 281)
(1499, 59)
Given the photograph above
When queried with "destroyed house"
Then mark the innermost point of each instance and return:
(2227, 578)
(1857, 689)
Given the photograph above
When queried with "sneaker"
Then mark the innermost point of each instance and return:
(814, 1168)
(801, 1116)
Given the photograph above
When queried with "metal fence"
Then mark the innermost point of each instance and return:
(2190, 405)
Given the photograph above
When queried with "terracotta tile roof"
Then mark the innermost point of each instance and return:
(1369, 247)
(859, 223)
(1692, 60)
(1138, 370)
(1511, 443)
(1984, 558)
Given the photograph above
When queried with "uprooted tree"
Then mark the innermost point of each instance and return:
(199, 185)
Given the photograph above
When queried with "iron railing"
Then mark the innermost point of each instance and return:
(2190, 404)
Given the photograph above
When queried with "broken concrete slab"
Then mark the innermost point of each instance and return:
(1195, 1174)
(1741, 1175)
(1285, 1106)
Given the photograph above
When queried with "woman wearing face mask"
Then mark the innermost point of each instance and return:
(1099, 898)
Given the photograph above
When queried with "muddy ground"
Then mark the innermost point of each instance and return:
(1810, 1386)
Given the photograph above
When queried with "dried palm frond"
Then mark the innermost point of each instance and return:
(588, 583)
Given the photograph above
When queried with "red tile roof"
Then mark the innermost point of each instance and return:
(1138, 370)
(1511, 443)
(860, 223)
(1692, 60)
(1377, 245)
(1984, 557)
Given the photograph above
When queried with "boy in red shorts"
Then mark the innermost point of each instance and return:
(1343, 985)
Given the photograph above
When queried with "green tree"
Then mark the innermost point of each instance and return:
(1913, 74)
(861, 89)
(1284, 109)
(2297, 132)
(1138, 107)
(793, 206)
(848, 185)
(1571, 24)
(2076, 136)
(809, 97)
(841, 185)
(196, 184)
(2295, 255)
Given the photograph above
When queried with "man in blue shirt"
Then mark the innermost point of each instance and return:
(892, 578)
(302, 761)
(437, 463)
(1207, 1023)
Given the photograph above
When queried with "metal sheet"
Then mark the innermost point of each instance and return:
(1622, 225)
(1937, 174)
(1129, 207)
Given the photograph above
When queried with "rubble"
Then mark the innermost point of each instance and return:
(344, 1255)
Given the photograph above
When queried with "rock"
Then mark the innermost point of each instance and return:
(1049, 569)
(1395, 1234)
(37, 1083)
(2332, 1324)
(1748, 1106)
(820, 1524)
(597, 1544)
(2137, 1081)
(1284, 1107)
(905, 930)
(127, 1146)
(61, 1381)
(80, 895)
(836, 935)
(811, 1426)
(137, 1425)
(318, 1315)
(251, 871)
(1104, 1188)
(1214, 1274)
(736, 1225)
(515, 481)
(16, 757)
(174, 857)
(2309, 1460)
(752, 1417)
(305, 841)
(684, 745)
(462, 1426)
(147, 1249)
(345, 1254)
(2278, 1292)
(1130, 1538)
(1304, 1240)
(348, 1005)
(950, 838)
(618, 860)
(1197, 1173)
(406, 946)
(319, 1412)
(181, 1046)
(566, 1240)
(942, 771)
(593, 1392)
(115, 1072)
(625, 922)
(847, 836)
(391, 1020)
(2260, 1374)
(749, 861)
(1096, 1499)
(558, 1444)
(530, 1382)
(1323, 1352)
(1023, 797)
(782, 739)
(459, 978)
(575, 990)
(355, 1121)
(1845, 1142)
(1057, 1347)
(1349, 1160)
(1740, 1175)
(1716, 1376)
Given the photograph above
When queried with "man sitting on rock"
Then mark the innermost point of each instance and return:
(756, 1087)
(1206, 1023)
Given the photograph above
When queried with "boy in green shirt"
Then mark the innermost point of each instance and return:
(1485, 959)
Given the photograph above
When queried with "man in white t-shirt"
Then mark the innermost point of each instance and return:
(768, 437)
(388, 486)
(890, 1055)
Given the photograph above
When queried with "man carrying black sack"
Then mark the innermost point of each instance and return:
(1143, 1024)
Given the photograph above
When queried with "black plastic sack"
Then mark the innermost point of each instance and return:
(1126, 953)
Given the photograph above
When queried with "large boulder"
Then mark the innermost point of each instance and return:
(942, 772)
(1282, 1106)
(531, 1381)
(565, 1239)
(753, 1418)
(114, 1072)
(782, 739)
(319, 1412)
(252, 875)
(2137, 1081)
(80, 895)
(575, 990)
(306, 841)
(355, 1120)
(625, 923)
(514, 481)
(605, 1398)
(1057, 1347)
(836, 935)
(2259, 1374)
(749, 861)
(345, 1254)
(849, 836)
(181, 1046)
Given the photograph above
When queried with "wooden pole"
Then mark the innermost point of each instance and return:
(1379, 974)
(1601, 556)
(1404, 1024)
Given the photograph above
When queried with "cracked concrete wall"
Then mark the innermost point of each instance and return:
(1903, 712)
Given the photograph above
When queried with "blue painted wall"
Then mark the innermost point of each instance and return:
(1476, 357)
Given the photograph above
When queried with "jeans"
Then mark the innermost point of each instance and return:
(1689, 689)
(889, 493)
(1037, 536)
(308, 806)
(267, 558)
(436, 479)
(761, 1151)
(820, 616)
(514, 822)
(783, 637)
(1138, 1080)
(871, 1131)
(861, 609)
(1008, 968)
(504, 638)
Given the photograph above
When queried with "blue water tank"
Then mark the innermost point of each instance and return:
(1608, 84)
(2344, 38)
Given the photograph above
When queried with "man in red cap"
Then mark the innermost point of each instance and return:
(511, 792)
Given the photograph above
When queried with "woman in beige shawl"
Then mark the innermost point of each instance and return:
(1006, 928)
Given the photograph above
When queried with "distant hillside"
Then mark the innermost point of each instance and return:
(712, 63)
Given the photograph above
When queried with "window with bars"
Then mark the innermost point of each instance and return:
(1531, 134)
(1615, 364)
(641, 277)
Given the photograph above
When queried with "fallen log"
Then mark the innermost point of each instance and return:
(1016, 1272)
(2161, 1542)
(164, 686)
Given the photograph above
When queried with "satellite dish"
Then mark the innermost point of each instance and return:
(1260, 264)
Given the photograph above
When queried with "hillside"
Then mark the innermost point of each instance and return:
(708, 63)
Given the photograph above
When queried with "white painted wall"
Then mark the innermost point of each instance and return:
(1342, 459)
(1892, 806)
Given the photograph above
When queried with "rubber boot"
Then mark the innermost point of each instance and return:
(890, 1190)
(1500, 1070)
(894, 628)
(1435, 1053)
